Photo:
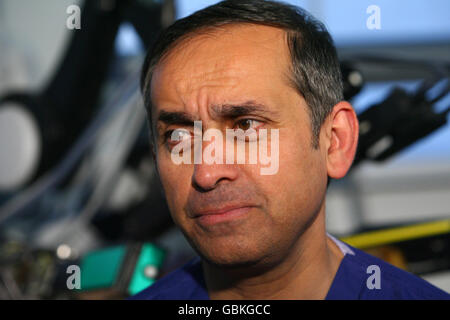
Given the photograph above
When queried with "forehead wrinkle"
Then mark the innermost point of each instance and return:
(203, 88)
(185, 55)
(198, 98)
(215, 54)
(204, 80)
(214, 72)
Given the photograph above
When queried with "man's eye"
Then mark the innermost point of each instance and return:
(177, 135)
(246, 124)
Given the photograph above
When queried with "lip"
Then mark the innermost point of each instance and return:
(211, 217)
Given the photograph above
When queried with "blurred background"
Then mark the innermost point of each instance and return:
(82, 215)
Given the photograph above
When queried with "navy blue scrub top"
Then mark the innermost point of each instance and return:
(350, 281)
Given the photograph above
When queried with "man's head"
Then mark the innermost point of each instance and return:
(249, 64)
(314, 70)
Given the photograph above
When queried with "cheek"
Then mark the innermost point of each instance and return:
(175, 180)
(295, 155)
(295, 187)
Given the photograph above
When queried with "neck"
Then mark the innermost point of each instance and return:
(306, 272)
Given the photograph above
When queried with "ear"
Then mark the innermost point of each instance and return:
(342, 139)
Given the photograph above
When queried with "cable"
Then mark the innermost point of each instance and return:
(130, 127)
(25, 198)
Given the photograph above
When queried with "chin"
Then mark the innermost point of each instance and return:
(232, 254)
(229, 261)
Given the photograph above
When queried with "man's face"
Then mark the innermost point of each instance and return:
(231, 213)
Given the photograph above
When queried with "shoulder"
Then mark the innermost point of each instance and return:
(184, 283)
(373, 278)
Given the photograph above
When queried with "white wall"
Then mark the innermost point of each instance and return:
(32, 36)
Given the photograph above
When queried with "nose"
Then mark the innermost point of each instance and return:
(207, 177)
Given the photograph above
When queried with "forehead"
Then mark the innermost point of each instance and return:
(231, 57)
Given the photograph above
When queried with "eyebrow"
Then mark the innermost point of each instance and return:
(227, 111)
(175, 117)
(241, 109)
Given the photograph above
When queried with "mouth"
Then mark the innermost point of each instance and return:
(225, 214)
